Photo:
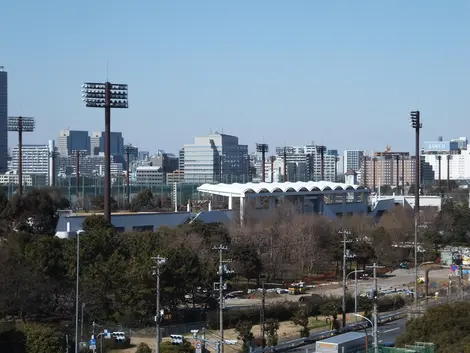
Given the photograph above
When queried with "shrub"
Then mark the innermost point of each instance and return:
(143, 348)
(186, 347)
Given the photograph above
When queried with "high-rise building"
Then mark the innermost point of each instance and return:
(216, 158)
(73, 140)
(352, 160)
(35, 159)
(95, 143)
(3, 120)
(116, 142)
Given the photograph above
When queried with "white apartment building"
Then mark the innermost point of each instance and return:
(35, 159)
(458, 164)
(95, 143)
(352, 160)
(215, 158)
(11, 177)
(149, 176)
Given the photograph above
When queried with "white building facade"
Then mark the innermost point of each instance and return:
(35, 159)
(215, 158)
(352, 160)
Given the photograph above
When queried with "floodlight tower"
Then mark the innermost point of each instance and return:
(130, 151)
(415, 122)
(272, 159)
(439, 158)
(78, 154)
(106, 95)
(263, 148)
(321, 150)
(20, 124)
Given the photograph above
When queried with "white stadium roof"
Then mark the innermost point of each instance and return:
(238, 190)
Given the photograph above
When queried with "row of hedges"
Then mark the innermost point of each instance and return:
(317, 306)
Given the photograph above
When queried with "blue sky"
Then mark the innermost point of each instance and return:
(342, 73)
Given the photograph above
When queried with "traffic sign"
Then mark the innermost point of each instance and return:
(92, 343)
(198, 347)
(453, 268)
(92, 347)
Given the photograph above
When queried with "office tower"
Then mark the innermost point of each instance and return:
(3, 120)
(216, 158)
(352, 160)
(95, 144)
(73, 140)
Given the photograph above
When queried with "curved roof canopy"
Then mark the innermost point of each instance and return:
(238, 190)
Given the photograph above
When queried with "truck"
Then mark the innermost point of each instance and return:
(350, 342)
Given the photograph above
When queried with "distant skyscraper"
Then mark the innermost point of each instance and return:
(352, 160)
(216, 158)
(3, 120)
(73, 140)
(117, 142)
(95, 143)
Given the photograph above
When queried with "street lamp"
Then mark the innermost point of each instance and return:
(106, 95)
(263, 148)
(365, 329)
(355, 286)
(130, 151)
(78, 153)
(344, 233)
(20, 124)
(415, 122)
(77, 280)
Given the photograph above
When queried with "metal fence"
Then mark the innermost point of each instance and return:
(179, 329)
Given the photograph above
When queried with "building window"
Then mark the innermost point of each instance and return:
(142, 229)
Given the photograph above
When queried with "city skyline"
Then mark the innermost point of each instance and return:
(260, 74)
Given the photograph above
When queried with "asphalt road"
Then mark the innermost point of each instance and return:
(398, 279)
(387, 333)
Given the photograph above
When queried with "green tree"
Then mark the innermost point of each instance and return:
(247, 261)
(446, 326)
(43, 339)
(243, 330)
(144, 201)
(271, 327)
(301, 319)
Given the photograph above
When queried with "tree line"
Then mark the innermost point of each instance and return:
(117, 281)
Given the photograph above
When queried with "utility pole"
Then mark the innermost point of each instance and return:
(221, 248)
(159, 261)
(81, 323)
(375, 294)
(344, 233)
(261, 315)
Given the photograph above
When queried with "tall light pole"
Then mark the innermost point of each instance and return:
(336, 168)
(20, 124)
(262, 148)
(439, 158)
(375, 294)
(321, 150)
(159, 261)
(78, 153)
(221, 248)
(106, 95)
(449, 158)
(53, 155)
(77, 286)
(130, 151)
(374, 173)
(415, 122)
(397, 158)
(272, 159)
(356, 271)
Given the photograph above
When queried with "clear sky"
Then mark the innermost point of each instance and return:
(342, 73)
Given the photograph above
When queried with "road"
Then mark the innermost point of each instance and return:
(387, 333)
(397, 279)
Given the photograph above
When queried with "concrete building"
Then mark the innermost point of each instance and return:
(34, 180)
(305, 163)
(35, 159)
(215, 157)
(383, 169)
(149, 176)
(352, 160)
(89, 165)
(73, 140)
(3, 120)
(167, 161)
(95, 143)
(175, 177)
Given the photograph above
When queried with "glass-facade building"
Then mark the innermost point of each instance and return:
(215, 158)
(73, 140)
(3, 120)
